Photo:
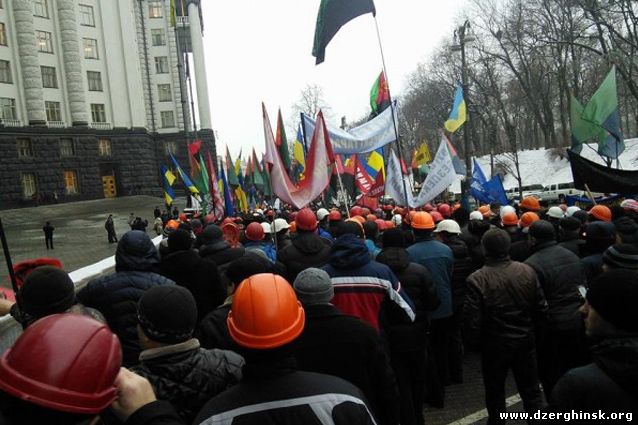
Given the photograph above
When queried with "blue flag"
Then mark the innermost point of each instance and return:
(487, 191)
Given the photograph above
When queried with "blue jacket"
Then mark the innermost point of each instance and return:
(439, 260)
(361, 285)
(268, 249)
(372, 248)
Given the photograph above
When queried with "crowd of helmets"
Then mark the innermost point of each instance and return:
(317, 315)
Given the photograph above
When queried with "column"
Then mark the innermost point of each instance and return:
(197, 43)
(29, 61)
(72, 62)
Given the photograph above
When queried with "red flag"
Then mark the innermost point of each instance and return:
(404, 168)
(378, 188)
(362, 179)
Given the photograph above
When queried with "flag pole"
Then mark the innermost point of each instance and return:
(12, 275)
(188, 76)
(182, 78)
(392, 106)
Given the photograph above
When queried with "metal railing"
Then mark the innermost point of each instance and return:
(101, 125)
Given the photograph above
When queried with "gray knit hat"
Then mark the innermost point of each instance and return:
(313, 286)
(624, 256)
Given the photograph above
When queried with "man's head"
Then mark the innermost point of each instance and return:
(371, 229)
(166, 315)
(179, 240)
(610, 309)
(621, 256)
(313, 286)
(249, 264)
(393, 238)
(496, 244)
(136, 252)
(47, 290)
(542, 231)
(350, 227)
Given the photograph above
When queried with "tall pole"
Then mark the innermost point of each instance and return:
(467, 131)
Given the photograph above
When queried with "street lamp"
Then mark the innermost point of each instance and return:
(462, 36)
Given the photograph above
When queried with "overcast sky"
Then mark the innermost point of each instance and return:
(261, 51)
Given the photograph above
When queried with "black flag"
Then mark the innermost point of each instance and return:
(600, 178)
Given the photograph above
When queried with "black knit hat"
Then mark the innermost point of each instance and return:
(212, 233)
(179, 240)
(167, 314)
(614, 296)
(599, 230)
(496, 243)
(622, 255)
(581, 216)
(393, 238)
(47, 290)
(569, 224)
(249, 264)
(542, 230)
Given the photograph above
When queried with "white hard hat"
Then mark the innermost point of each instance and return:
(449, 226)
(571, 210)
(476, 215)
(259, 211)
(396, 219)
(507, 209)
(267, 227)
(555, 212)
(281, 224)
(322, 213)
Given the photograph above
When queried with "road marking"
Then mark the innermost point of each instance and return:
(482, 414)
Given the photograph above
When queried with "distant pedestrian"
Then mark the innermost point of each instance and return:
(175, 213)
(131, 220)
(109, 225)
(139, 224)
(158, 225)
(48, 234)
(157, 212)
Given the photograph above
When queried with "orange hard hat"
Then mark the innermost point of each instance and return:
(371, 217)
(601, 212)
(527, 219)
(389, 224)
(530, 203)
(359, 219)
(172, 224)
(293, 227)
(484, 210)
(265, 313)
(365, 211)
(422, 220)
(356, 210)
(510, 219)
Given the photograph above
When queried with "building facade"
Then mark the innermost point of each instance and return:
(93, 96)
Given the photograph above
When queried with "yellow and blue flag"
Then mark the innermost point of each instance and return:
(299, 154)
(187, 181)
(374, 163)
(458, 115)
(167, 182)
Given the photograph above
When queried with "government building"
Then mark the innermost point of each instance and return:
(94, 96)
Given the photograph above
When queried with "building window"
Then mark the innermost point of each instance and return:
(170, 148)
(161, 65)
(104, 147)
(45, 44)
(29, 185)
(3, 34)
(90, 48)
(24, 148)
(155, 9)
(70, 182)
(158, 36)
(66, 147)
(97, 112)
(168, 119)
(86, 16)
(49, 79)
(164, 92)
(7, 108)
(95, 80)
(53, 111)
(40, 8)
(5, 72)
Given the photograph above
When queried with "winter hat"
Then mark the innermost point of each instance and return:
(313, 286)
(600, 230)
(624, 256)
(626, 226)
(167, 314)
(614, 295)
(212, 233)
(393, 238)
(251, 263)
(179, 240)
(47, 290)
(542, 230)
(350, 227)
(569, 224)
(496, 243)
(581, 216)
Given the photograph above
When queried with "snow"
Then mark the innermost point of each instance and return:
(538, 166)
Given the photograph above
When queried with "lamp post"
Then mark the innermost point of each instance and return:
(462, 36)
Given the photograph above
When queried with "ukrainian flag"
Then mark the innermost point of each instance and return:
(187, 181)
(375, 163)
(458, 114)
(298, 152)
(167, 181)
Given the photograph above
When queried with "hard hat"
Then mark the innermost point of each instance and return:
(445, 210)
(389, 224)
(365, 211)
(422, 221)
(209, 218)
(510, 219)
(571, 210)
(267, 227)
(306, 220)
(527, 219)
(172, 224)
(65, 362)
(530, 203)
(630, 204)
(396, 219)
(601, 212)
(476, 215)
(334, 215)
(281, 224)
(293, 227)
(254, 232)
(265, 313)
(449, 226)
(24, 268)
(428, 207)
(356, 210)
(555, 212)
(322, 213)
(371, 217)
(485, 210)
(380, 224)
(436, 216)
(505, 209)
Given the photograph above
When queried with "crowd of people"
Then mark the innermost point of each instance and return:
(333, 316)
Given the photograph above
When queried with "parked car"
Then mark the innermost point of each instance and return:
(528, 190)
(558, 192)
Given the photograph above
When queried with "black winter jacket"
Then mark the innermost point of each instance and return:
(306, 250)
(221, 254)
(463, 267)
(212, 331)
(188, 376)
(560, 273)
(347, 347)
(198, 275)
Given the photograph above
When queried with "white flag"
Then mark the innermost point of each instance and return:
(394, 182)
(440, 177)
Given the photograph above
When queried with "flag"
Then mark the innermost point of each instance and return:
(228, 199)
(257, 177)
(602, 110)
(423, 155)
(242, 201)
(230, 169)
(600, 178)
(282, 143)
(187, 181)
(299, 154)
(441, 176)
(413, 163)
(458, 113)
(375, 163)
(173, 15)
(486, 191)
(459, 167)
(379, 95)
(362, 179)
(216, 199)
(197, 168)
(167, 182)
(332, 15)
(318, 162)
(394, 183)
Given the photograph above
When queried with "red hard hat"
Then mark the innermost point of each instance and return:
(65, 362)
(183, 218)
(380, 224)
(209, 218)
(334, 216)
(254, 232)
(365, 211)
(265, 313)
(428, 207)
(24, 268)
(371, 217)
(306, 220)
(436, 216)
(445, 210)
(356, 210)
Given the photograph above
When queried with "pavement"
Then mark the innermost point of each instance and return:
(80, 240)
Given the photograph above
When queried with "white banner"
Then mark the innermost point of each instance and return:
(440, 177)
(393, 182)
(372, 135)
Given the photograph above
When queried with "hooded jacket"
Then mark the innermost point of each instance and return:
(306, 250)
(116, 295)
(221, 254)
(363, 286)
(463, 267)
